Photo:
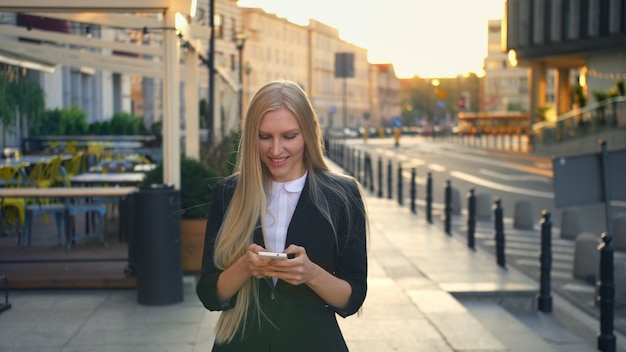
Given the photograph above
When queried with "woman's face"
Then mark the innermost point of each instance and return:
(281, 145)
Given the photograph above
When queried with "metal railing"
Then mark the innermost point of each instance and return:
(590, 120)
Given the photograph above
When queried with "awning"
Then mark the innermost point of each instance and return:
(26, 61)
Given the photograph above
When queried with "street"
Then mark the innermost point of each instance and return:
(508, 176)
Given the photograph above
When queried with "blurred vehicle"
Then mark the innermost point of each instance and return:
(342, 133)
(410, 130)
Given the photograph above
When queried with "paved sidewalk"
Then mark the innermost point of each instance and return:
(427, 292)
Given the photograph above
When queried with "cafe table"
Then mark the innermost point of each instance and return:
(66, 192)
(112, 179)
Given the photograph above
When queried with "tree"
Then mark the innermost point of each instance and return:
(580, 100)
(601, 96)
(619, 85)
(22, 100)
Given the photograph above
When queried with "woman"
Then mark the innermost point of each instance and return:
(283, 198)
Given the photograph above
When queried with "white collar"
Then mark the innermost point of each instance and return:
(292, 186)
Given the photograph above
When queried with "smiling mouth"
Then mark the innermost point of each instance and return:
(278, 160)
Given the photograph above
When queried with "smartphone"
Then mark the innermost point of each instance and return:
(272, 255)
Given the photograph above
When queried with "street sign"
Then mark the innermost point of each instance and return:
(344, 65)
(578, 179)
(397, 121)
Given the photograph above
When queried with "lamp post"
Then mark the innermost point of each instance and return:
(247, 71)
(240, 42)
(211, 66)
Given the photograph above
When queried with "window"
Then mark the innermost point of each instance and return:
(233, 29)
(219, 26)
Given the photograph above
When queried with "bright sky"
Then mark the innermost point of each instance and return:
(429, 38)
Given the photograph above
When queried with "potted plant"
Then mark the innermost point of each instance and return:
(196, 184)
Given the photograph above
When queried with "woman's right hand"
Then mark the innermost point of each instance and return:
(253, 264)
(231, 279)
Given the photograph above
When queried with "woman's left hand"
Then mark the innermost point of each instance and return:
(296, 271)
(301, 270)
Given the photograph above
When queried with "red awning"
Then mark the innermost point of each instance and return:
(44, 23)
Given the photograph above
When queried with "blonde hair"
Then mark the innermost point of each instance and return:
(248, 205)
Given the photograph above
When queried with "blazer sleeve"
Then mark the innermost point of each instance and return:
(352, 251)
(206, 289)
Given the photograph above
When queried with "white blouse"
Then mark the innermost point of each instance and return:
(281, 204)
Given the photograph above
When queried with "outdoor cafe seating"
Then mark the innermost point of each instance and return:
(80, 169)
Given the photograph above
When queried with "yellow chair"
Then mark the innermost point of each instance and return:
(71, 147)
(96, 149)
(113, 166)
(73, 167)
(14, 208)
(34, 173)
(45, 174)
(50, 175)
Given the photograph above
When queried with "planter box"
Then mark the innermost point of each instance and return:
(192, 243)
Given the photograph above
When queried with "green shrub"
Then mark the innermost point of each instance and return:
(196, 185)
(60, 122)
(73, 121)
(223, 156)
(123, 123)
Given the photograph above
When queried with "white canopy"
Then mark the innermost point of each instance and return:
(112, 13)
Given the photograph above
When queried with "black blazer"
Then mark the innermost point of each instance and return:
(299, 320)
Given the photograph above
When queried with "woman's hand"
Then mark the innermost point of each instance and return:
(296, 271)
(256, 266)
(249, 265)
(301, 270)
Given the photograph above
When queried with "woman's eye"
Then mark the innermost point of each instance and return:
(291, 136)
(264, 137)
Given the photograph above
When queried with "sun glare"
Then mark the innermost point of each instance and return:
(443, 38)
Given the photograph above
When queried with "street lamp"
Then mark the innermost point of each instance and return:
(240, 42)
(247, 71)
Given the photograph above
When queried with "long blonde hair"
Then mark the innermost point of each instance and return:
(247, 206)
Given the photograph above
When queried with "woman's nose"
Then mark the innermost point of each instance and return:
(276, 146)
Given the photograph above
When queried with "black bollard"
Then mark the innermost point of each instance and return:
(544, 302)
(606, 288)
(329, 149)
(499, 237)
(429, 198)
(389, 181)
(340, 155)
(364, 181)
(357, 164)
(400, 200)
(370, 172)
(349, 154)
(380, 177)
(447, 208)
(413, 191)
(471, 219)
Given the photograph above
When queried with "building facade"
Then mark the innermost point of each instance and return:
(567, 35)
(384, 95)
(274, 49)
(307, 54)
(120, 67)
(505, 85)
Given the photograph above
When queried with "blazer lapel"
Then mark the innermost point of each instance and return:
(258, 237)
(300, 217)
